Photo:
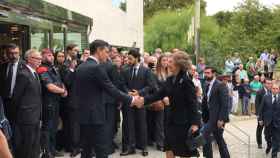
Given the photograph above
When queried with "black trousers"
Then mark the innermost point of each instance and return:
(110, 125)
(272, 136)
(218, 136)
(94, 136)
(71, 129)
(137, 128)
(259, 134)
(27, 141)
(155, 121)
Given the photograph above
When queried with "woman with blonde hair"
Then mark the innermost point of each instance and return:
(183, 114)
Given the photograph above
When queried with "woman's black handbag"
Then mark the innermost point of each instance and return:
(195, 140)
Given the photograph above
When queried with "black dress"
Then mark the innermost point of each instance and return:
(183, 112)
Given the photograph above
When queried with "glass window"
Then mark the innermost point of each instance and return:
(120, 4)
(74, 38)
(58, 39)
(39, 38)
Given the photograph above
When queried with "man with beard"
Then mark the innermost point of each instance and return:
(214, 113)
(52, 90)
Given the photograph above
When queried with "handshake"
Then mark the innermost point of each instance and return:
(138, 101)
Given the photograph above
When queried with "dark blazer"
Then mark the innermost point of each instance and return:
(183, 102)
(259, 98)
(268, 112)
(217, 107)
(92, 81)
(143, 82)
(70, 84)
(3, 75)
(115, 77)
(27, 98)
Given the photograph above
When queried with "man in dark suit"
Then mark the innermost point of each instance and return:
(259, 97)
(27, 101)
(214, 113)
(139, 81)
(111, 103)
(8, 76)
(269, 116)
(92, 82)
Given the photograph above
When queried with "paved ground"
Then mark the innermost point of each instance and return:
(236, 140)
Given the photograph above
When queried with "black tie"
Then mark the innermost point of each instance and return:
(36, 76)
(134, 73)
(9, 79)
(274, 99)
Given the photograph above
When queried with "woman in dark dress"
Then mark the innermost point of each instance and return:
(183, 114)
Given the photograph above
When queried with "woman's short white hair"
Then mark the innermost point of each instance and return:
(30, 52)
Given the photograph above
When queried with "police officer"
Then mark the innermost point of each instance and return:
(52, 90)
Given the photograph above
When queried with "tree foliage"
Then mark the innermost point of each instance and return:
(153, 6)
(249, 29)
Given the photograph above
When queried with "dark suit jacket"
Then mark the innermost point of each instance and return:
(182, 96)
(92, 81)
(3, 75)
(259, 98)
(70, 84)
(143, 82)
(27, 98)
(268, 112)
(115, 78)
(217, 107)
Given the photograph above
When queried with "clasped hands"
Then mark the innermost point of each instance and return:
(138, 101)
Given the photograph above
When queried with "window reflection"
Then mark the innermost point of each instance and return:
(58, 39)
(39, 38)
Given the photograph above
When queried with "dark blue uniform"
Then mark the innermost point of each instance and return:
(50, 114)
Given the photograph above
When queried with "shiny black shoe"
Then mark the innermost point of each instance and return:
(259, 146)
(145, 153)
(75, 152)
(267, 149)
(127, 152)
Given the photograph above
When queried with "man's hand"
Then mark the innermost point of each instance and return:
(134, 93)
(220, 124)
(65, 94)
(138, 102)
(194, 128)
(166, 101)
(261, 123)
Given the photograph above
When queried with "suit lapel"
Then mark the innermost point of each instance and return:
(213, 89)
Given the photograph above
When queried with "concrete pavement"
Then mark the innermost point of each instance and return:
(236, 140)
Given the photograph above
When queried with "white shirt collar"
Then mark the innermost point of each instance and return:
(137, 66)
(94, 58)
(31, 69)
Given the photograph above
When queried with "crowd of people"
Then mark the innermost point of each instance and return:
(246, 79)
(77, 103)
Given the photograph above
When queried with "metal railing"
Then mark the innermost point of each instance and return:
(248, 142)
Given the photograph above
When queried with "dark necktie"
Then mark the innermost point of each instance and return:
(9, 79)
(205, 98)
(274, 99)
(134, 73)
(36, 76)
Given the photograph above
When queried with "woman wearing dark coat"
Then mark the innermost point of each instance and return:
(184, 113)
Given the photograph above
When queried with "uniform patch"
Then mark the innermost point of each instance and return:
(42, 69)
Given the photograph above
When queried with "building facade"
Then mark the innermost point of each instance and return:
(118, 27)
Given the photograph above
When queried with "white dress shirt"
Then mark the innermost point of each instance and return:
(210, 88)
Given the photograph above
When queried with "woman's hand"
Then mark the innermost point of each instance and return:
(194, 128)
(166, 101)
